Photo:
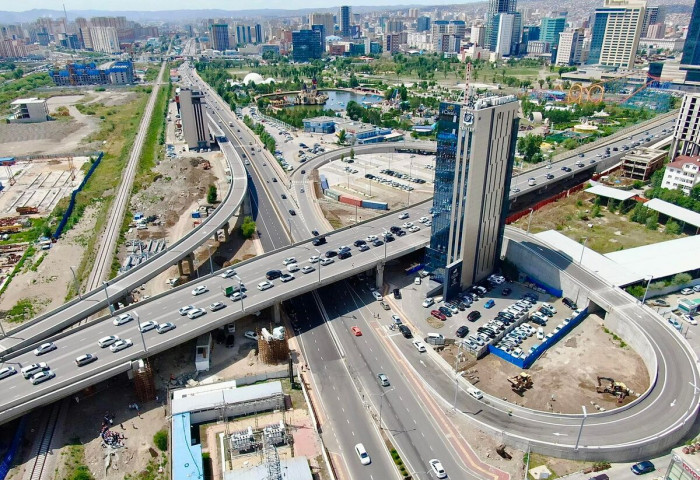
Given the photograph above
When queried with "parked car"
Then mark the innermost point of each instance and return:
(474, 316)
(490, 303)
(569, 303)
(643, 467)
(439, 315)
(462, 331)
(687, 291)
(397, 294)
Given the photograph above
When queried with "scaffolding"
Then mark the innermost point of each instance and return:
(272, 461)
(144, 383)
(273, 348)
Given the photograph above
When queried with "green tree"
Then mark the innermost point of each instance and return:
(342, 137)
(352, 153)
(639, 213)
(541, 82)
(652, 221)
(160, 439)
(681, 278)
(529, 147)
(211, 194)
(673, 228)
(82, 472)
(595, 211)
(248, 227)
(612, 205)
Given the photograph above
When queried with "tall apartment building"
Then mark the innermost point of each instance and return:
(570, 47)
(496, 7)
(195, 125)
(219, 36)
(478, 34)
(617, 27)
(474, 164)
(652, 15)
(259, 38)
(306, 45)
(686, 134)
(656, 31)
(395, 25)
(325, 19)
(244, 34)
(422, 24)
(690, 61)
(504, 39)
(447, 35)
(344, 21)
(104, 39)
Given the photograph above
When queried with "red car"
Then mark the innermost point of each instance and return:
(356, 331)
(438, 314)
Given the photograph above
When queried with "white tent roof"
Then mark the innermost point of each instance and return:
(610, 192)
(674, 211)
(660, 259)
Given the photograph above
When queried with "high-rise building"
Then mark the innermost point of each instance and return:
(306, 45)
(656, 30)
(422, 24)
(344, 21)
(104, 39)
(570, 47)
(617, 27)
(478, 34)
(530, 33)
(551, 28)
(504, 39)
(394, 25)
(686, 134)
(652, 15)
(447, 35)
(243, 34)
(195, 124)
(474, 164)
(325, 19)
(219, 36)
(496, 7)
(259, 34)
(690, 61)
(322, 31)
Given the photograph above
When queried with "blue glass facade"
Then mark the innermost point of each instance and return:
(306, 45)
(600, 21)
(691, 48)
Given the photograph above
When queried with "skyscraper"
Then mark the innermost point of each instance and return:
(258, 33)
(570, 47)
(325, 19)
(474, 164)
(306, 45)
(617, 27)
(551, 28)
(652, 15)
(243, 34)
(690, 61)
(219, 36)
(422, 24)
(496, 7)
(345, 21)
(686, 134)
(478, 34)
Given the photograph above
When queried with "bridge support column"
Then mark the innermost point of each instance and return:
(190, 263)
(215, 236)
(379, 280)
(276, 312)
(246, 205)
(179, 268)
(226, 234)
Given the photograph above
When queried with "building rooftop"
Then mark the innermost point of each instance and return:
(296, 468)
(609, 192)
(21, 101)
(207, 397)
(321, 119)
(674, 211)
(186, 458)
(660, 259)
(681, 160)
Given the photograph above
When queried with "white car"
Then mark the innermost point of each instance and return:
(107, 341)
(292, 267)
(686, 291)
(428, 301)
(413, 228)
(251, 335)
(689, 319)
(44, 348)
(371, 238)
(122, 319)
(286, 277)
(403, 215)
(195, 313)
(437, 468)
(7, 371)
(407, 225)
(362, 454)
(289, 260)
(307, 269)
(228, 273)
(148, 326)
(186, 309)
(264, 285)
(216, 306)
(420, 346)
(428, 223)
(165, 327)
(199, 290)
(423, 219)
(314, 259)
(327, 261)
(237, 296)
(120, 345)
(377, 296)
(42, 377)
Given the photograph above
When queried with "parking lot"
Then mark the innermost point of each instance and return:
(667, 307)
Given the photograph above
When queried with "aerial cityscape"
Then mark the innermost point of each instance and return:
(314, 241)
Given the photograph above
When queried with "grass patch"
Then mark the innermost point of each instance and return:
(21, 311)
(614, 336)
(39, 227)
(151, 471)
(536, 460)
(434, 322)
(294, 392)
(20, 88)
(74, 461)
(28, 253)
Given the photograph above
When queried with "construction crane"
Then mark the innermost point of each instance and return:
(614, 388)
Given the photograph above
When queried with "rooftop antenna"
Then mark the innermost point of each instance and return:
(468, 90)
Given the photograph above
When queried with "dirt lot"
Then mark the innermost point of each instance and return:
(609, 232)
(566, 373)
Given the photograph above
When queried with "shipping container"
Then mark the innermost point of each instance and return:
(196, 214)
(375, 205)
(350, 200)
(331, 194)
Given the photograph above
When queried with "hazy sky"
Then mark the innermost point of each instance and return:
(23, 5)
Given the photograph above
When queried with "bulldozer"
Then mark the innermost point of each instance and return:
(617, 389)
(520, 382)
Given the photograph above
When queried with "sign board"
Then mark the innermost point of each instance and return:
(453, 280)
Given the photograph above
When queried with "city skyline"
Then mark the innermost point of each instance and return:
(165, 5)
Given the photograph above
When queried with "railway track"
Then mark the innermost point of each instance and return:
(42, 450)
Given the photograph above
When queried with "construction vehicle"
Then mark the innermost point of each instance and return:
(501, 450)
(617, 389)
(27, 210)
(520, 382)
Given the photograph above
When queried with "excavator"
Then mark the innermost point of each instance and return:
(520, 382)
(617, 389)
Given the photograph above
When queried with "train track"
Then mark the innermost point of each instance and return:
(42, 451)
(105, 252)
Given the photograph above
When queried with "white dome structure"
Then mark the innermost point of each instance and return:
(257, 79)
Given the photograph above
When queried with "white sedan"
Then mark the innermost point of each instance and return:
(120, 345)
(314, 259)
(407, 224)
(237, 296)
(264, 285)
(413, 228)
(165, 327)
(371, 238)
(228, 273)
(437, 468)
(44, 348)
(420, 346)
(307, 269)
(148, 326)
(289, 260)
(122, 319)
(186, 309)
(292, 267)
(199, 290)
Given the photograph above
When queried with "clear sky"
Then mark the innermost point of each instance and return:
(141, 5)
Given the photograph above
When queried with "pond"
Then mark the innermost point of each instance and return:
(337, 99)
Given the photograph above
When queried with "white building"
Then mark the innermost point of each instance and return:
(104, 39)
(505, 33)
(29, 110)
(616, 32)
(419, 40)
(683, 173)
(686, 134)
(478, 34)
(570, 47)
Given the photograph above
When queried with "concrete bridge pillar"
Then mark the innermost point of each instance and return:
(226, 233)
(215, 236)
(246, 205)
(276, 313)
(379, 280)
(190, 262)
(179, 268)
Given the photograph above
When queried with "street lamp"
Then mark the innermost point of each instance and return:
(647, 289)
(77, 286)
(580, 430)
(109, 304)
(319, 264)
(138, 320)
(583, 249)
(211, 264)
(240, 290)
(459, 347)
(381, 403)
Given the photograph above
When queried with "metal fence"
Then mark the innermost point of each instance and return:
(6, 463)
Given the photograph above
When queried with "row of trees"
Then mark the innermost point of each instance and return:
(267, 139)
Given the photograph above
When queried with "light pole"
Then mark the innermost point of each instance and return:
(77, 286)
(240, 290)
(583, 249)
(385, 242)
(211, 264)
(580, 430)
(138, 320)
(646, 290)
(381, 404)
(319, 264)
(454, 403)
(532, 210)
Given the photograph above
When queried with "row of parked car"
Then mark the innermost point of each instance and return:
(402, 176)
(388, 181)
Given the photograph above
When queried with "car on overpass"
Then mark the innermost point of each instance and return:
(122, 319)
(44, 348)
(120, 345)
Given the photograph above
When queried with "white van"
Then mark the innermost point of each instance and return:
(362, 454)
(549, 307)
(475, 392)
(540, 333)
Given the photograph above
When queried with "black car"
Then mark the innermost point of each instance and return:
(389, 238)
(474, 316)
(284, 197)
(303, 172)
(274, 179)
(405, 331)
(344, 254)
(462, 306)
(377, 243)
(462, 331)
(397, 294)
(394, 229)
(318, 241)
(357, 243)
(314, 233)
(400, 233)
(546, 311)
(549, 176)
(506, 291)
(272, 274)
(292, 212)
(331, 253)
(486, 331)
(566, 169)
(569, 303)
(445, 311)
